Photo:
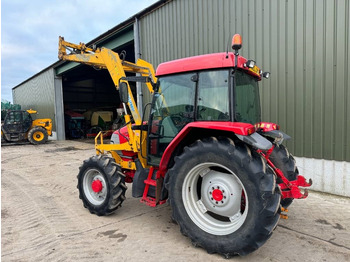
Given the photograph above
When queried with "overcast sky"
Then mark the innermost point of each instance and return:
(30, 30)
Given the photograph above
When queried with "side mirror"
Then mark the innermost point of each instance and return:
(123, 92)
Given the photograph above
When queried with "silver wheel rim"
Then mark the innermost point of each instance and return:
(207, 211)
(95, 198)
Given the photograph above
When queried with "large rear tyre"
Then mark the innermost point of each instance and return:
(223, 197)
(284, 161)
(37, 135)
(101, 185)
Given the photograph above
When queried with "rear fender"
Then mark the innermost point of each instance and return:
(256, 140)
(243, 131)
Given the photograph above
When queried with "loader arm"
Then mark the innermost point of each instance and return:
(104, 58)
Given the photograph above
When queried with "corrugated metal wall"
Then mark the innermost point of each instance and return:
(303, 43)
(38, 93)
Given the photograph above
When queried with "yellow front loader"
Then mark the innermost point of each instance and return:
(104, 58)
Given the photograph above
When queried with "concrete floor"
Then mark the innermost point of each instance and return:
(43, 219)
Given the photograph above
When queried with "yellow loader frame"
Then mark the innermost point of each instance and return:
(104, 58)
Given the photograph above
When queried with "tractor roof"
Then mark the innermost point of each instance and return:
(202, 62)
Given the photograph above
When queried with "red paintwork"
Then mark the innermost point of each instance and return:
(294, 192)
(96, 186)
(149, 181)
(290, 189)
(202, 62)
(123, 134)
(235, 127)
(151, 201)
(129, 174)
(217, 195)
(238, 128)
(300, 181)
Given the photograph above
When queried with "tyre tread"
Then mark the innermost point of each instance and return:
(115, 182)
(284, 161)
(261, 176)
(36, 129)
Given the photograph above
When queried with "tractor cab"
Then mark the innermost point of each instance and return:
(207, 88)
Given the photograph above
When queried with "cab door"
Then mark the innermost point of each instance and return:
(172, 108)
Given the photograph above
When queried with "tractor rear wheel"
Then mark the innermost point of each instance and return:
(101, 185)
(37, 135)
(223, 197)
(284, 161)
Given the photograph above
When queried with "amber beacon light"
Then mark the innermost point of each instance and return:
(236, 42)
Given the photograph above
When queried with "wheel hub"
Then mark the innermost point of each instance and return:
(96, 186)
(218, 195)
(38, 136)
(216, 206)
(222, 193)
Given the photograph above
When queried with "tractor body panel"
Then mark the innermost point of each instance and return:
(205, 62)
(236, 128)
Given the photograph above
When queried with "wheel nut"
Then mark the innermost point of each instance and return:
(217, 202)
(224, 197)
(210, 192)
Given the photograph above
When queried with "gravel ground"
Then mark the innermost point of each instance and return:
(42, 219)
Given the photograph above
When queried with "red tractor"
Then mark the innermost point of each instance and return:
(203, 148)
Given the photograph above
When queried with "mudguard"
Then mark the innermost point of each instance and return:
(244, 131)
(256, 140)
(278, 135)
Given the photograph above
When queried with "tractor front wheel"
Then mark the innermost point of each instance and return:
(223, 197)
(37, 135)
(101, 185)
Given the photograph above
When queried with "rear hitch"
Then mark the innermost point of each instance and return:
(291, 189)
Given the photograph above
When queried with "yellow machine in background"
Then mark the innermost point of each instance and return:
(19, 126)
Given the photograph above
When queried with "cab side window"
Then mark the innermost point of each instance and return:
(213, 96)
